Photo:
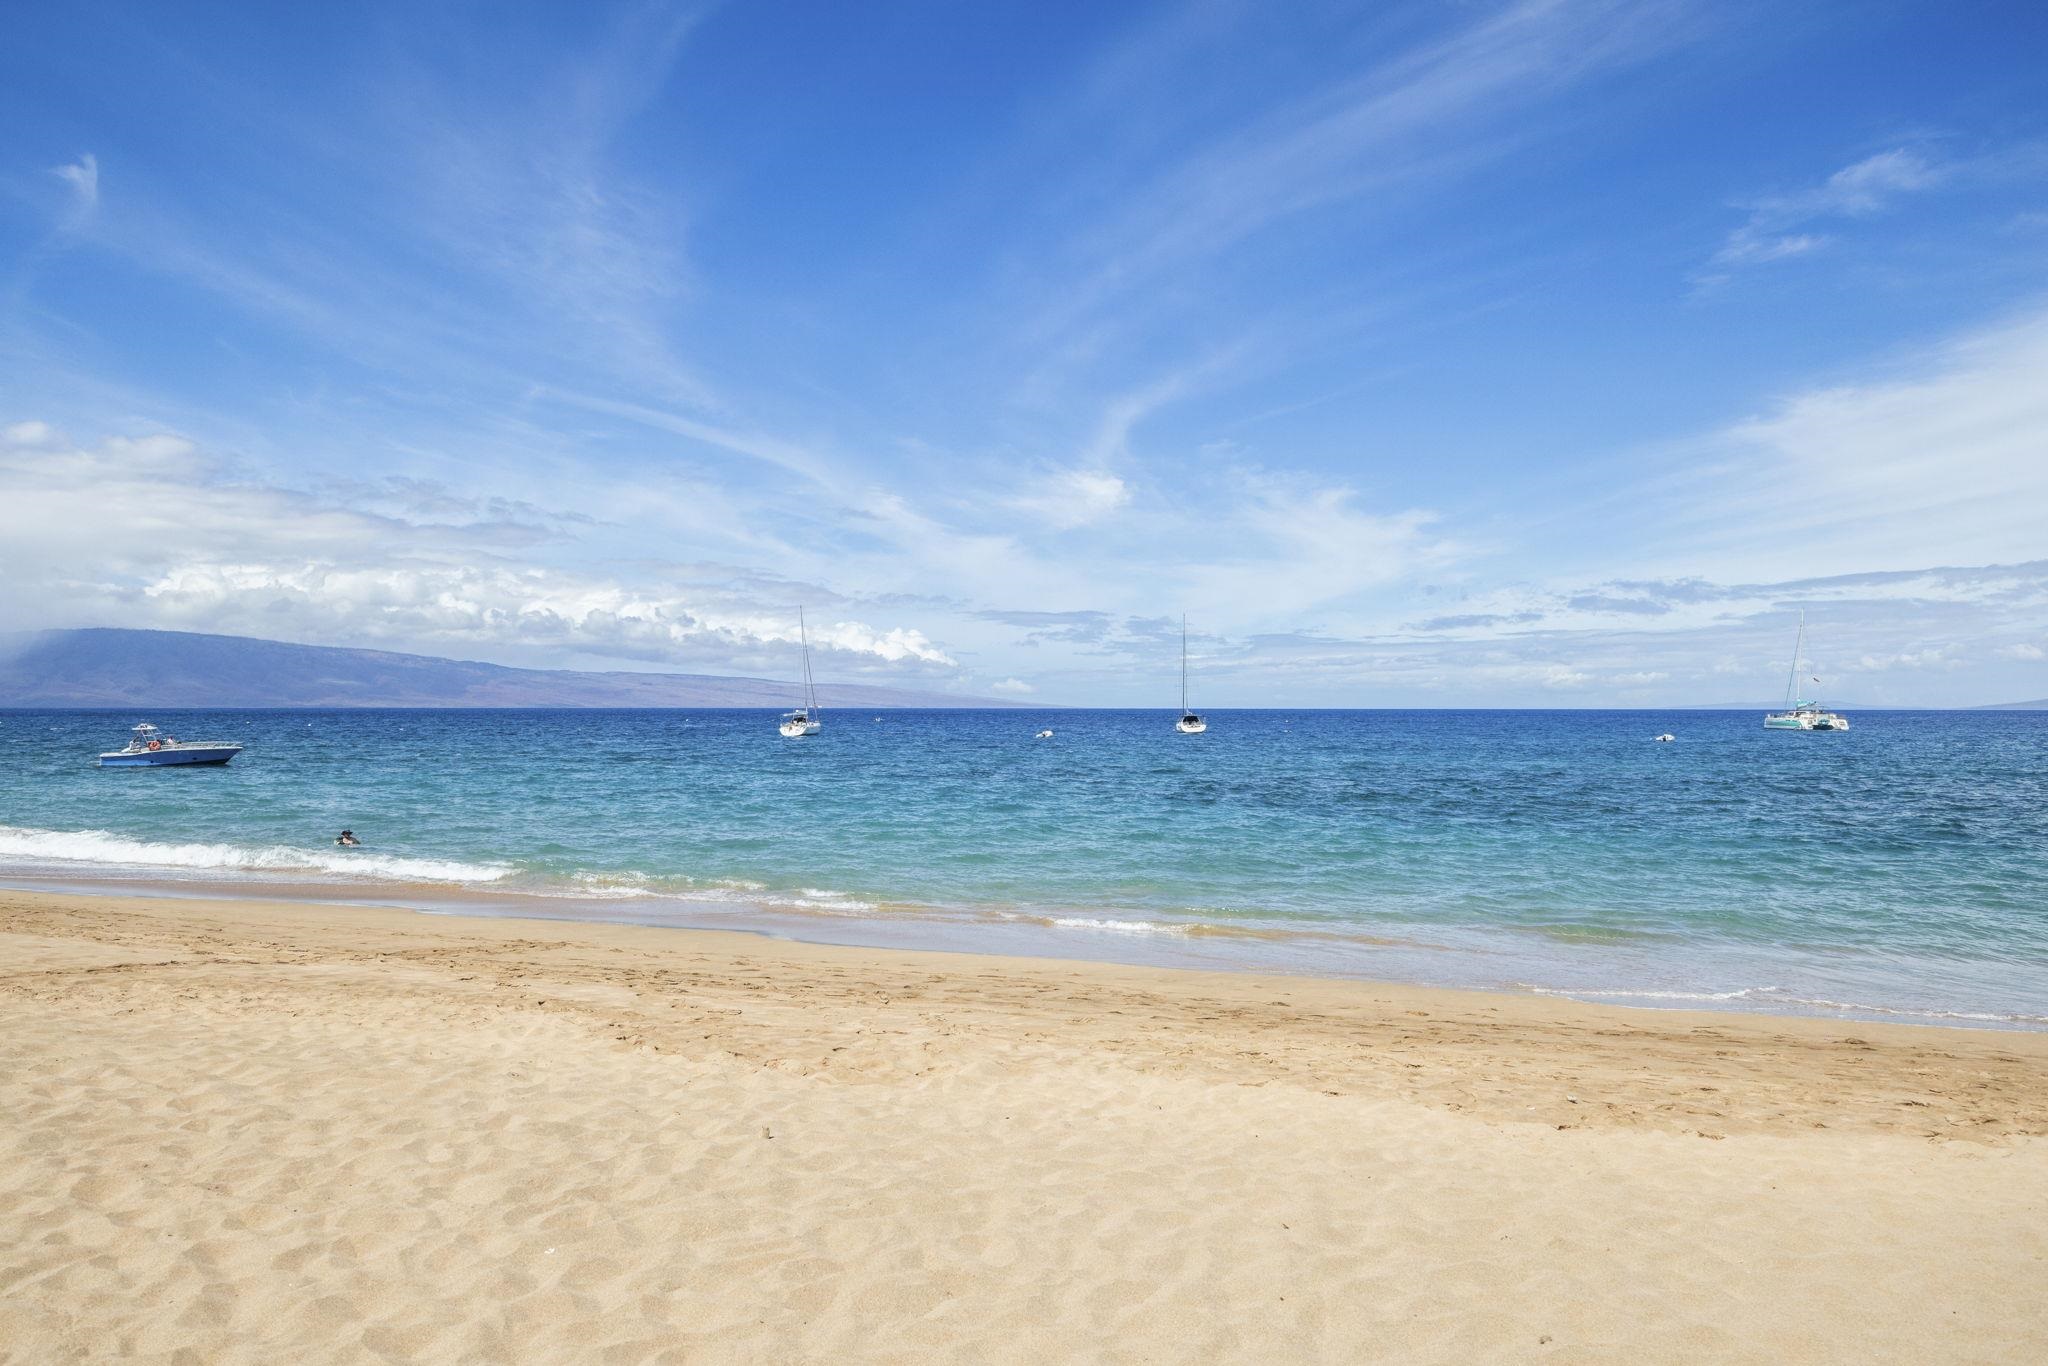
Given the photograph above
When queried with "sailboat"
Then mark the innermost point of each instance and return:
(1189, 723)
(805, 719)
(1800, 714)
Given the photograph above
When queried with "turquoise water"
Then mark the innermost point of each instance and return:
(1896, 869)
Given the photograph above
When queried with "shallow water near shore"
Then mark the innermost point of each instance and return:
(1894, 871)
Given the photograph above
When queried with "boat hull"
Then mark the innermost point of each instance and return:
(1806, 721)
(178, 756)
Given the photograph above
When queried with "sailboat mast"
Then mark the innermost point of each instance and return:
(1798, 649)
(1183, 663)
(810, 688)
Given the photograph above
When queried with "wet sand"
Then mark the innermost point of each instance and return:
(244, 1131)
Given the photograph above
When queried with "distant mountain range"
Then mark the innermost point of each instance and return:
(105, 667)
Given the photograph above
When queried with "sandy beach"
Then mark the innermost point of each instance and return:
(244, 1131)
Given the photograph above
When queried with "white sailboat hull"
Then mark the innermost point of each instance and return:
(1190, 722)
(804, 720)
(1800, 714)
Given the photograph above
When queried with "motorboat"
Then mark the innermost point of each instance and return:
(151, 748)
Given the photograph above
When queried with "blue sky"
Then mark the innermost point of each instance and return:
(1539, 354)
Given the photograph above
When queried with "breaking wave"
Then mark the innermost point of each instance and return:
(27, 849)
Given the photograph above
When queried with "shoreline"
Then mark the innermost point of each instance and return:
(303, 1131)
(1458, 960)
(1338, 1001)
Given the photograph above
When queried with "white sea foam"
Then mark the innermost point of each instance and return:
(603, 887)
(1928, 1013)
(23, 848)
(1619, 993)
(1084, 922)
(636, 886)
(1772, 997)
(824, 899)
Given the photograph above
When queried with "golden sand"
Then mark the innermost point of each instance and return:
(237, 1131)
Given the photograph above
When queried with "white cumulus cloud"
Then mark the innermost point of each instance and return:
(150, 530)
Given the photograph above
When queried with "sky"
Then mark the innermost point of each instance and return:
(1432, 354)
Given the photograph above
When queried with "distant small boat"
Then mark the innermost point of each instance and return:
(151, 748)
(1800, 714)
(1189, 723)
(1666, 739)
(805, 719)
(1043, 735)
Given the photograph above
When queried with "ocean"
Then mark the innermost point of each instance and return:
(1896, 871)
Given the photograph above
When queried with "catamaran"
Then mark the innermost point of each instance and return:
(1189, 723)
(805, 720)
(1800, 714)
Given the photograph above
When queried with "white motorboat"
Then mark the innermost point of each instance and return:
(151, 748)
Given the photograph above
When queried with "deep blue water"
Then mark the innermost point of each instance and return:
(1896, 868)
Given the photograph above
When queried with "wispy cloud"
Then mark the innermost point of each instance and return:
(1777, 224)
(1934, 457)
(496, 238)
(532, 188)
(83, 176)
(1418, 114)
(1289, 544)
(1067, 498)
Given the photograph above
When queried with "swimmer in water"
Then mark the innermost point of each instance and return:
(347, 839)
